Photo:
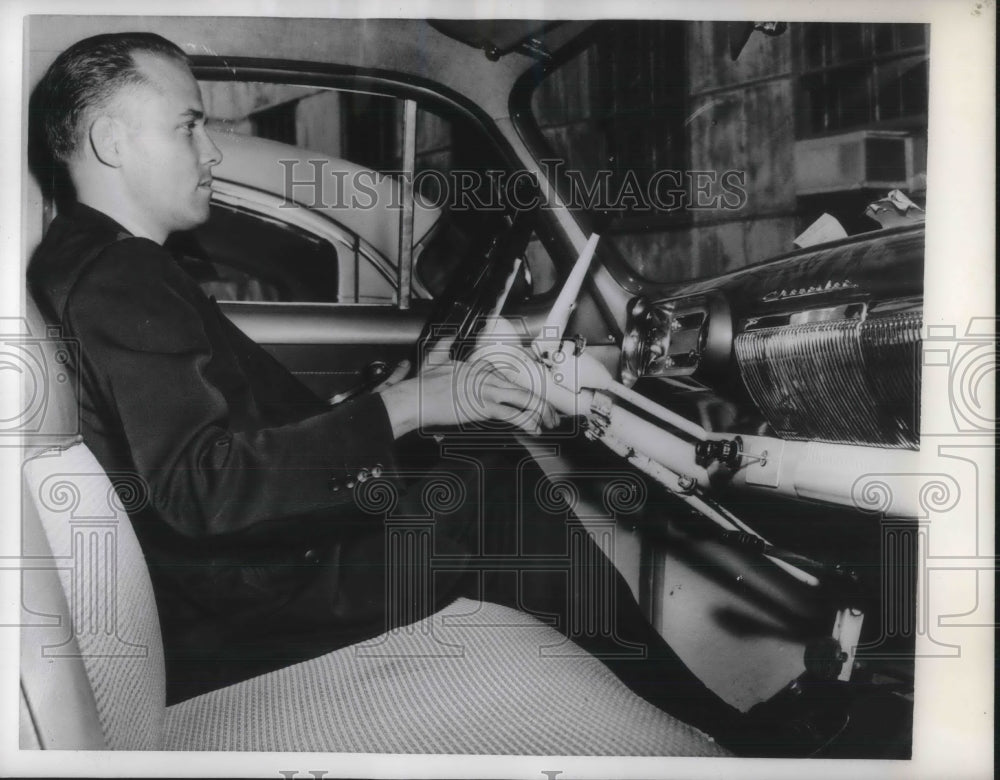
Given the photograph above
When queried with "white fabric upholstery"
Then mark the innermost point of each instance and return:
(475, 678)
(108, 591)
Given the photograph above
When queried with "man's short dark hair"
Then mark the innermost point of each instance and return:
(87, 75)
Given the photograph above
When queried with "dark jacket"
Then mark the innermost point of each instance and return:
(245, 476)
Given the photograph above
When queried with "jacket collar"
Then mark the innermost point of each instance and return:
(89, 216)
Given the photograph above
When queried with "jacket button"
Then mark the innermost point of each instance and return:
(311, 556)
(334, 485)
(350, 483)
(377, 470)
(364, 475)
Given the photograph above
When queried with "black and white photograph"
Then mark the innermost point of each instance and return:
(535, 390)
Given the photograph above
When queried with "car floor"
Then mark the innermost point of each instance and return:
(738, 623)
(738, 648)
(735, 645)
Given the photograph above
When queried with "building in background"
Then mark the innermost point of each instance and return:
(824, 118)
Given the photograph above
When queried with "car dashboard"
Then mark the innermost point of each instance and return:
(819, 345)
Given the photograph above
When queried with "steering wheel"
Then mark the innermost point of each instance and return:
(477, 290)
(473, 293)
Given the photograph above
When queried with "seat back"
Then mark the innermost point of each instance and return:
(107, 624)
(58, 710)
(92, 668)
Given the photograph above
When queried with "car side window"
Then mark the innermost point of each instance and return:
(307, 200)
(239, 255)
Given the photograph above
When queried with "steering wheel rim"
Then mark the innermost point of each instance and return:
(477, 291)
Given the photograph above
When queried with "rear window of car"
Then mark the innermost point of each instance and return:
(242, 256)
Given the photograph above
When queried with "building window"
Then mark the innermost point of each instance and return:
(641, 100)
(276, 123)
(853, 76)
(614, 112)
(371, 127)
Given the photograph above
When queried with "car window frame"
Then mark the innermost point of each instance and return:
(395, 85)
(530, 133)
(268, 206)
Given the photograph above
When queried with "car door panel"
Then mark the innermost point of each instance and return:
(331, 349)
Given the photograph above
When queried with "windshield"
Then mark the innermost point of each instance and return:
(697, 148)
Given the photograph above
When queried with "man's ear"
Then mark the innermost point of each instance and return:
(105, 139)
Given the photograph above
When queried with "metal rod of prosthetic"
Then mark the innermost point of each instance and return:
(684, 490)
(590, 373)
(847, 631)
(555, 323)
(578, 384)
(654, 409)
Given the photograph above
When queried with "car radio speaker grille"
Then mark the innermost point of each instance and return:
(848, 381)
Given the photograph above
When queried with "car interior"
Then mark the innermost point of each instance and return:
(730, 429)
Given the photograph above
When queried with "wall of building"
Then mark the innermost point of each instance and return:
(738, 117)
(741, 118)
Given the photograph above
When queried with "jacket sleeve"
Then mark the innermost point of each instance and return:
(145, 353)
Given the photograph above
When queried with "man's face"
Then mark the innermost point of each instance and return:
(166, 156)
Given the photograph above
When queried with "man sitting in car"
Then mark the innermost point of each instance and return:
(260, 551)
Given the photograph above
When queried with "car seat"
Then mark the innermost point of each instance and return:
(474, 678)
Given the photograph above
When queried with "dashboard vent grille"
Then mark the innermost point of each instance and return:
(844, 381)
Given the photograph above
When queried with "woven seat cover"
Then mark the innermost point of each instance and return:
(474, 678)
(108, 591)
